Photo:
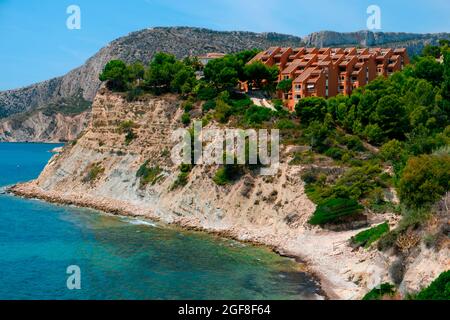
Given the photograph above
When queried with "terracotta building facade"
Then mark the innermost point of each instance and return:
(327, 72)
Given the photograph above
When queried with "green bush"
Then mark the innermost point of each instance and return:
(425, 180)
(285, 124)
(439, 289)
(209, 105)
(94, 172)
(181, 181)
(130, 136)
(354, 143)
(334, 153)
(335, 211)
(385, 289)
(257, 115)
(149, 175)
(367, 237)
(206, 93)
(127, 127)
(186, 118)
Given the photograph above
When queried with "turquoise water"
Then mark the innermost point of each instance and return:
(122, 258)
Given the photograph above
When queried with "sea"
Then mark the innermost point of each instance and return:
(60, 252)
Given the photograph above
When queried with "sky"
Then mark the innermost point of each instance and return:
(36, 44)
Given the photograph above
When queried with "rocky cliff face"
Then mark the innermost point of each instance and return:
(412, 41)
(100, 171)
(181, 41)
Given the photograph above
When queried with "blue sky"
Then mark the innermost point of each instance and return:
(36, 45)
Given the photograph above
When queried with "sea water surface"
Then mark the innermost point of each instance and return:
(123, 258)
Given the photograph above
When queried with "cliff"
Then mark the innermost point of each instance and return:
(99, 170)
(181, 41)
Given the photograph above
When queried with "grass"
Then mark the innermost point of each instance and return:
(367, 237)
(439, 289)
(385, 289)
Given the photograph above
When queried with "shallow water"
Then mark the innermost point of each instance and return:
(124, 258)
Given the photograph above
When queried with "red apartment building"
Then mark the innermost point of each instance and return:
(327, 72)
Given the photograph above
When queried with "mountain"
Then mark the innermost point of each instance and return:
(22, 110)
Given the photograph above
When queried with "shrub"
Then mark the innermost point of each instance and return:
(311, 109)
(188, 106)
(222, 111)
(186, 118)
(209, 105)
(354, 143)
(130, 136)
(284, 124)
(94, 173)
(439, 289)
(391, 151)
(257, 115)
(181, 180)
(227, 174)
(335, 211)
(425, 180)
(367, 237)
(356, 183)
(127, 127)
(385, 289)
(206, 93)
(334, 153)
(134, 93)
(148, 175)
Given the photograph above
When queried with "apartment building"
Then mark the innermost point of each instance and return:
(327, 72)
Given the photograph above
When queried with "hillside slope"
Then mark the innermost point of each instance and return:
(100, 171)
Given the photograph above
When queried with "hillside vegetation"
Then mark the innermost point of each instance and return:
(390, 137)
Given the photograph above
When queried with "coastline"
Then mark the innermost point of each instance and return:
(27, 191)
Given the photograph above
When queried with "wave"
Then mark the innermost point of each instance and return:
(140, 222)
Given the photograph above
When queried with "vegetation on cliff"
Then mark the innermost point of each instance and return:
(392, 134)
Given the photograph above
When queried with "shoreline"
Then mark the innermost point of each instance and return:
(22, 190)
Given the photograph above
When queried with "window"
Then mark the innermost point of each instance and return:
(298, 87)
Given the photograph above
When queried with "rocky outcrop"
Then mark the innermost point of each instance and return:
(39, 127)
(100, 170)
(412, 41)
(181, 41)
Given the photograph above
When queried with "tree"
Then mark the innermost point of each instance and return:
(311, 108)
(260, 74)
(429, 69)
(425, 180)
(285, 85)
(136, 72)
(117, 75)
(392, 150)
(390, 115)
(432, 51)
(223, 73)
(161, 72)
(246, 55)
(184, 80)
(446, 82)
